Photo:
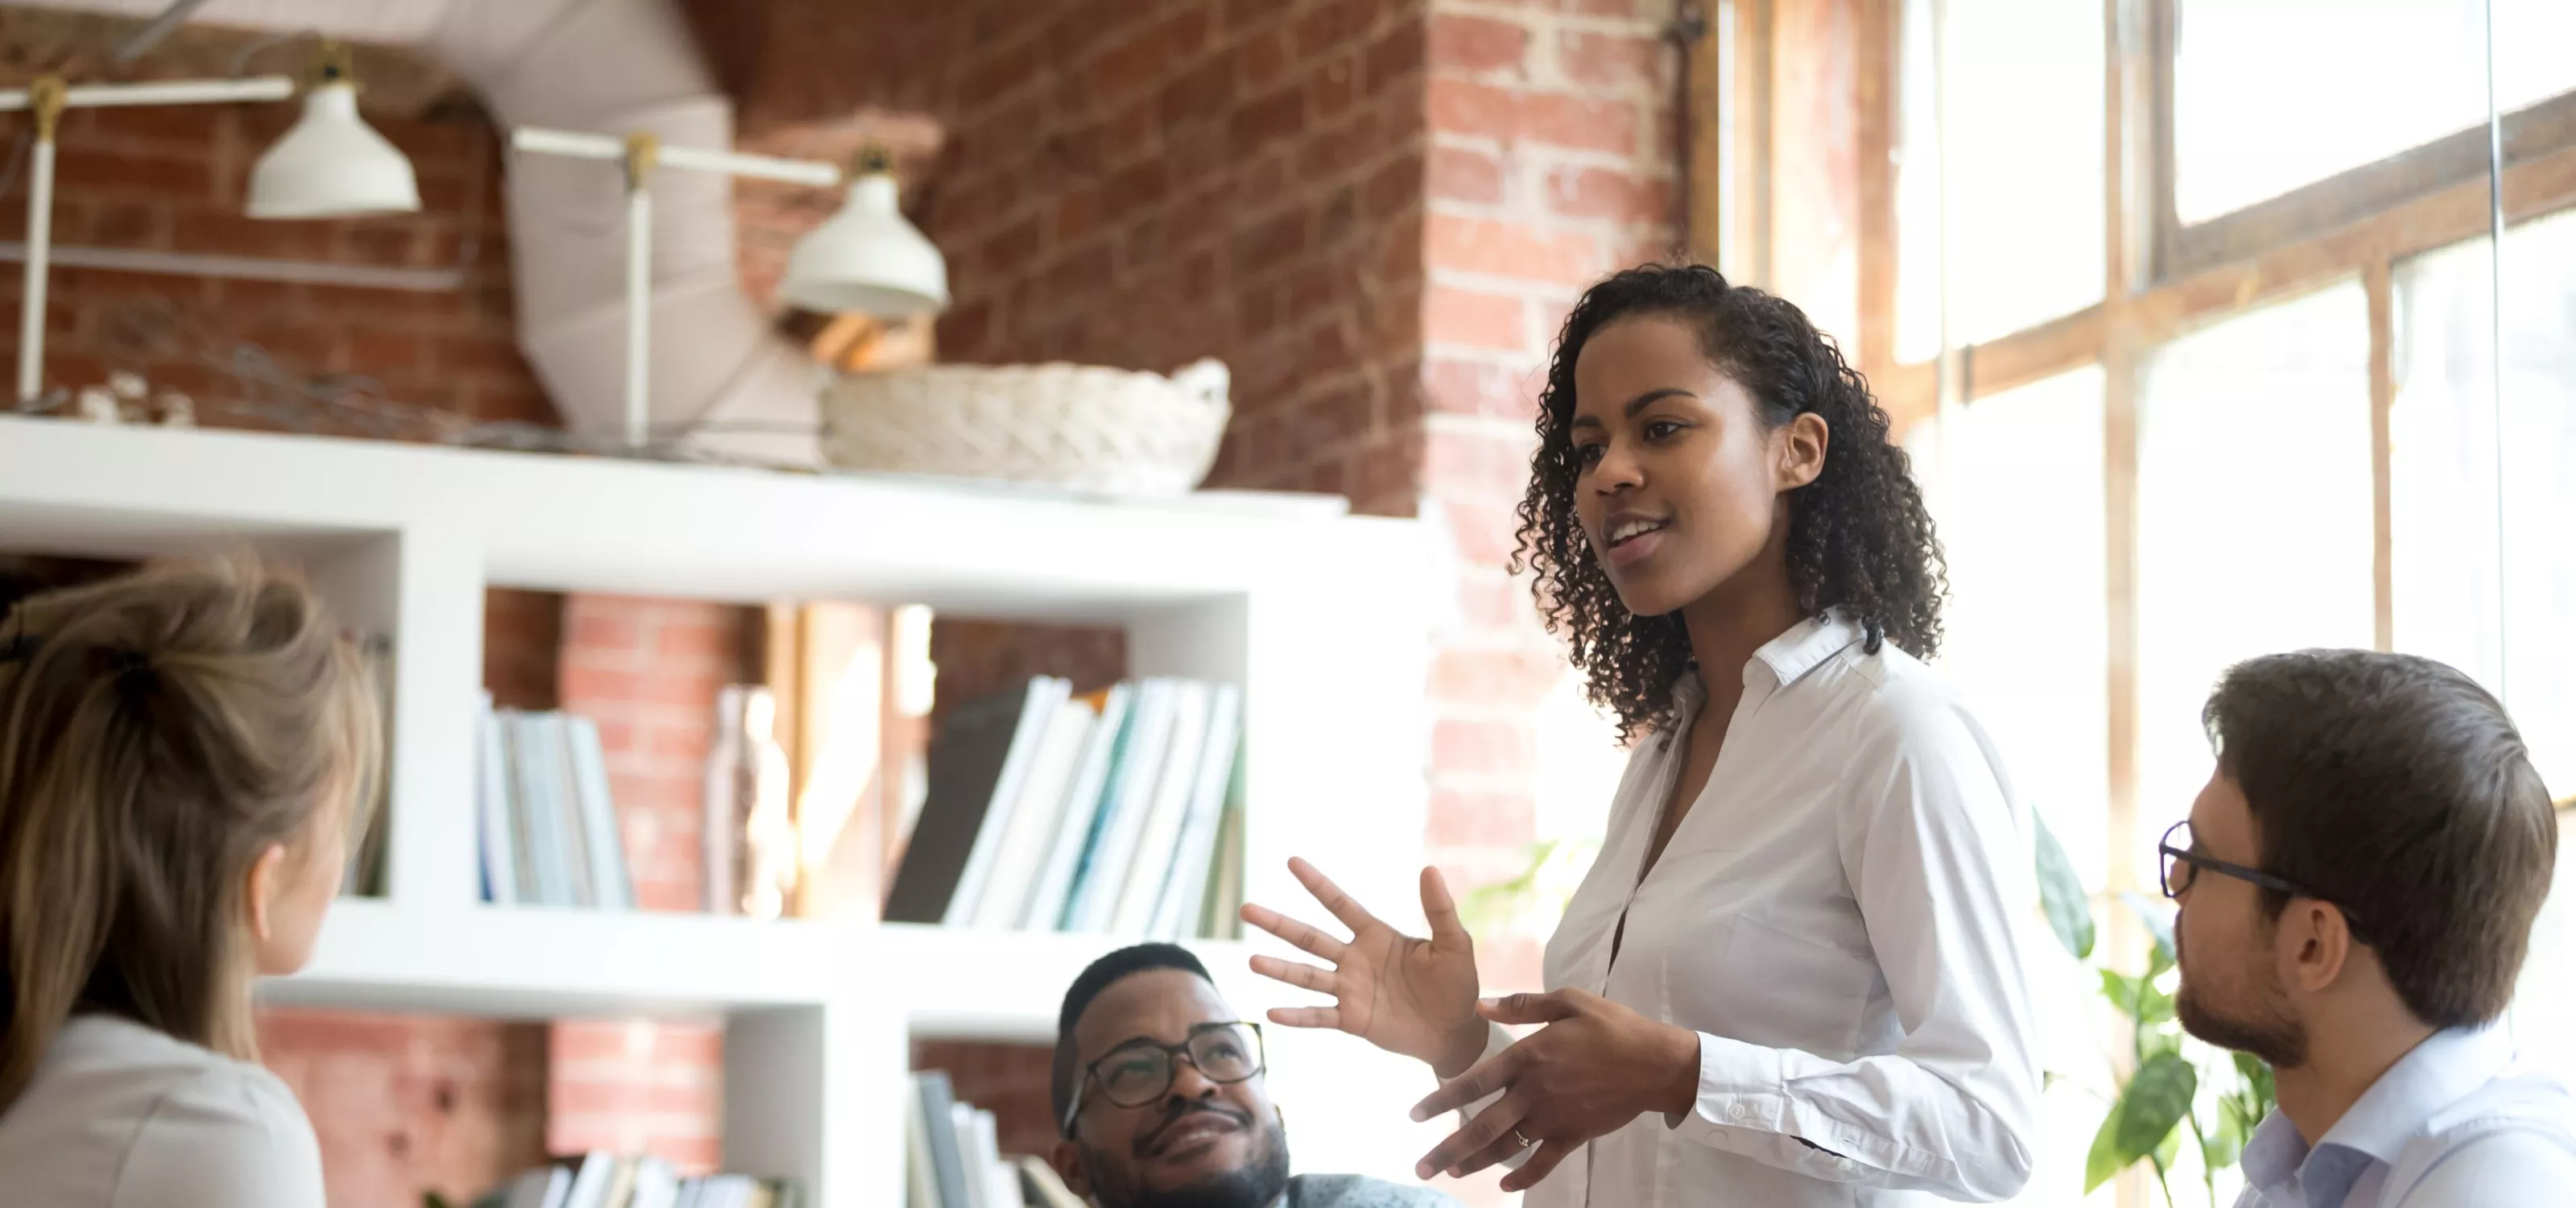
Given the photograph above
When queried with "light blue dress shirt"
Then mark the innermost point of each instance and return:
(2454, 1124)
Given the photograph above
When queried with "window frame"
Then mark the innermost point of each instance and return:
(2162, 277)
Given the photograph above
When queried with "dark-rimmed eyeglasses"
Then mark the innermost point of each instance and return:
(2182, 865)
(1141, 1071)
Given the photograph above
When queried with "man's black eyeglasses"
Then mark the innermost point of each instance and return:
(1137, 1073)
(2182, 865)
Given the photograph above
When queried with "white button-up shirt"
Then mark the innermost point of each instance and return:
(2454, 1124)
(1836, 918)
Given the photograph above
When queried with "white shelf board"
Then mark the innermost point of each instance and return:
(511, 962)
(567, 523)
(536, 963)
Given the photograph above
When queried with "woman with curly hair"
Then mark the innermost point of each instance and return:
(1791, 977)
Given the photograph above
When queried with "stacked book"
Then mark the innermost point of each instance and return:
(548, 827)
(1116, 812)
(952, 1158)
(605, 1180)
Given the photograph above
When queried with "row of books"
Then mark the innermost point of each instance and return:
(547, 824)
(952, 1157)
(606, 1180)
(1115, 812)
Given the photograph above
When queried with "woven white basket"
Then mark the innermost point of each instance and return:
(1080, 426)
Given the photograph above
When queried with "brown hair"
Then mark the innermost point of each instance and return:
(2396, 788)
(158, 732)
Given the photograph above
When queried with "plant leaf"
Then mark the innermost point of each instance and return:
(2219, 1150)
(2122, 990)
(2104, 1160)
(2160, 928)
(2153, 1041)
(2154, 1005)
(2061, 894)
(2154, 1103)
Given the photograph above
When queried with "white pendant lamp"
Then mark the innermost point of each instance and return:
(332, 164)
(867, 259)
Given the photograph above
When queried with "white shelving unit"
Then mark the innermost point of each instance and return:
(1323, 618)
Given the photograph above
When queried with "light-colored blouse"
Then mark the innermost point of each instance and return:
(122, 1116)
(1836, 918)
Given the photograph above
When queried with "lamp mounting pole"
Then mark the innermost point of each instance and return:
(45, 99)
(643, 154)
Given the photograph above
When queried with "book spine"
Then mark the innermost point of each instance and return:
(616, 888)
(563, 802)
(1045, 693)
(1177, 910)
(492, 808)
(1175, 779)
(948, 1161)
(1071, 844)
(1122, 811)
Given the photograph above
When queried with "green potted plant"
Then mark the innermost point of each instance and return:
(2158, 1090)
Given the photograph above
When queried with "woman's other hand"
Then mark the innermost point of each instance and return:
(1406, 995)
(1596, 1066)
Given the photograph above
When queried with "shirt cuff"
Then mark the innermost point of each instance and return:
(1741, 1086)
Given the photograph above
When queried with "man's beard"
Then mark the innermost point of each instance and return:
(2269, 1031)
(1255, 1184)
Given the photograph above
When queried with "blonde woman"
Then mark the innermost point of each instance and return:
(182, 751)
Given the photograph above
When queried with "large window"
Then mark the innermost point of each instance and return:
(2253, 519)
(2188, 309)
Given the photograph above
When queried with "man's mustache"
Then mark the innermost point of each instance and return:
(1154, 1139)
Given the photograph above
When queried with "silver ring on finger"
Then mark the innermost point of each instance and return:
(1522, 1141)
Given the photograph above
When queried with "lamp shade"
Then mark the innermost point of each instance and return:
(332, 165)
(867, 259)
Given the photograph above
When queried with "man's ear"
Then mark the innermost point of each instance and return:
(2314, 943)
(1067, 1160)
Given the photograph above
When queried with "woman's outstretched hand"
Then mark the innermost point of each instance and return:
(1406, 995)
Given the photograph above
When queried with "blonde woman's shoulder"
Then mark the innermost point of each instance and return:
(122, 1116)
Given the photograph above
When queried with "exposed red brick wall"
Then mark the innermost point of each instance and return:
(522, 637)
(1141, 185)
(648, 672)
(1374, 210)
(1008, 1080)
(1552, 161)
(173, 180)
(406, 1105)
(1377, 213)
(637, 1086)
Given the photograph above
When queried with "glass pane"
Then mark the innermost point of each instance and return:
(2448, 501)
(2025, 636)
(2444, 487)
(2025, 227)
(2270, 95)
(2254, 518)
(2026, 640)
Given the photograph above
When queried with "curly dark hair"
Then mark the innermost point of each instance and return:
(1860, 538)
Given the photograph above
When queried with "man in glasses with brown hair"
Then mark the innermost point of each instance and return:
(1159, 1098)
(2357, 885)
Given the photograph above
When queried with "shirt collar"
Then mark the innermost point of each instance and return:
(2446, 1066)
(1804, 647)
